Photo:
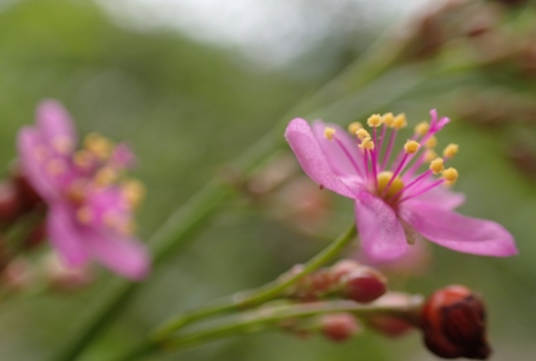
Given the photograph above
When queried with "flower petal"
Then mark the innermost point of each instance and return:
(382, 235)
(312, 159)
(54, 122)
(123, 255)
(343, 154)
(31, 149)
(65, 236)
(460, 233)
(441, 197)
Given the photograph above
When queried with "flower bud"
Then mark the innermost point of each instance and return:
(10, 202)
(339, 327)
(454, 324)
(363, 285)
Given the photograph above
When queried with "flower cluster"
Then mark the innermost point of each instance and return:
(394, 204)
(90, 201)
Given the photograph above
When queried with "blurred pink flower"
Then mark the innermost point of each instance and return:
(90, 203)
(393, 205)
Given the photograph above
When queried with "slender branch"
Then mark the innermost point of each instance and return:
(263, 294)
(263, 318)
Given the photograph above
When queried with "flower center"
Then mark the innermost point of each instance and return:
(383, 180)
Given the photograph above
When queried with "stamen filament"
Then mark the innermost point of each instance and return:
(423, 190)
(389, 149)
(348, 155)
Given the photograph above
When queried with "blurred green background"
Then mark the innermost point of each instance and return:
(188, 106)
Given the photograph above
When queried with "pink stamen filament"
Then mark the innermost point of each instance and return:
(418, 163)
(349, 156)
(423, 190)
(374, 153)
(387, 155)
(411, 184)
(395, 174)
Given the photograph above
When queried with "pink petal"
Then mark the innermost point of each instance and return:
(121, 254)
(65, 236)
(54, 122)
(30, 144)
(344, 161)
(312, 159)
(382, 235)
(441, 197)
(460, 233)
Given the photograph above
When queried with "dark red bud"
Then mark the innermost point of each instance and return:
(364, 285)
(339, 327)
(36, 236)
(454, 324)
(10, 202)
(29, 197)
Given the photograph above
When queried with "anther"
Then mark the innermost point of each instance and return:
(430, 155)
(354, 127)
(367, 143)
(63, 145)
(422, 128)
(105, 176)
(362, 134)
(411, 147)
(84, 215)
(451, 150)
(133, 191)
(388, 119)
(450, 174)
(374, 120)
(98, 145)
(396, 185)
(400, 121)
(83, 159)
(55, 167)
(436, 166)
(431, 143)
(329, 133)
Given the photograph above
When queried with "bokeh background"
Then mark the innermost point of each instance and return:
(190, 85)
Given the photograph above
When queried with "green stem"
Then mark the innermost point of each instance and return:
(262, 294)
(261, 319)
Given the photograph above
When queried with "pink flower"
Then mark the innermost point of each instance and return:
(90, 203)
(394, 206)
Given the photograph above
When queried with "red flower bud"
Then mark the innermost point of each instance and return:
(10, 202)
(339, 327)
(364, 285)
(454, 324)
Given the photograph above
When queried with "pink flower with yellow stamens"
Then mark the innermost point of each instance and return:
(394, 205)
(90, 202)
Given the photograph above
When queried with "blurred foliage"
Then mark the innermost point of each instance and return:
(187, 109)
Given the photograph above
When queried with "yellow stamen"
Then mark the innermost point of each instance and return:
(367, 143)
(63, 145)
(83, 159)
(134, 192)
(106, 176)
(354, 127)
(76, 193)
(451, 150)
(388, 119)
(41, 153)
(436, 166)
(431, 142)
(411, 147)
(383, 180)
(84, 215)
(99, 145)
(56, 167)
(430, 155)
(374, 120)
(450, 174)
(329, 133)
(422, 128)
(400, 121)
(362, 134)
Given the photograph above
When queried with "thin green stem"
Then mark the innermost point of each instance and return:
(270, 291)
(264, 318)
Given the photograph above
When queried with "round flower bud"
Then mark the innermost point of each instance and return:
(454, 324)
(363, 285)
(10, 202)
(339, 327)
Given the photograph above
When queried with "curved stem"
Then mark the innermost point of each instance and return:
(263, 294)
(263, 318)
